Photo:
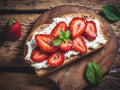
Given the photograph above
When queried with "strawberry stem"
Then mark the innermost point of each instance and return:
(10, 22)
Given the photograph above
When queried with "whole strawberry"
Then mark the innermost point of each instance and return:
(14, 28)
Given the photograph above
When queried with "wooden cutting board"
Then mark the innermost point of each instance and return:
(71, 77)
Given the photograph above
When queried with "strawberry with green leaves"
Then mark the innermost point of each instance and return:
(63, 41)
(14, 28)
(60, 40)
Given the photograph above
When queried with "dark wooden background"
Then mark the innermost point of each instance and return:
(19, 76)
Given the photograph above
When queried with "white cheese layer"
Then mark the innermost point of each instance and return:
(90, 44)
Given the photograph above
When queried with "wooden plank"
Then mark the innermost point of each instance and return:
(26, 81)
(23, 81)
(48, 4)
(110, 82)
(116, 27)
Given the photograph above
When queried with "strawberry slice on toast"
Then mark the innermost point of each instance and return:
(56, 30)
(44, 42)
(77, 27)
(56, 59)
(79, 45)
(90, 31)
(65, 46)
(38, 55)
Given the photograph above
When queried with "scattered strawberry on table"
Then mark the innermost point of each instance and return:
(63, 38)
(13, 29)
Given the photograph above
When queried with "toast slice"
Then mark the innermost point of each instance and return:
(45, 71)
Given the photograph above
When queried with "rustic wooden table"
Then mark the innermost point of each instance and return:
(14, 73)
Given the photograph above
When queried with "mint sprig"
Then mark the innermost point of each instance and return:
(63, 36)
(111, 12)
(57, 42)
(94, 73)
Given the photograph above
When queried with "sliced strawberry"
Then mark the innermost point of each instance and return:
(56, 59)
(79, 45)
(65, 46)
(77, 27)
(44, 42)
(60, 26)
(38, 55)
(90, 31)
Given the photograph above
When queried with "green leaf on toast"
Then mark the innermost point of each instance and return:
(57, 42)
(67, 34)
(66, 39)
(61, 34)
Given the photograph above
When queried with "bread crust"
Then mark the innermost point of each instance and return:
(49, 69)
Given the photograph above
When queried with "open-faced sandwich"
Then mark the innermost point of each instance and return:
(66, 39)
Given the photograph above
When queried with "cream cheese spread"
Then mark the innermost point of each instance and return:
(90, 44)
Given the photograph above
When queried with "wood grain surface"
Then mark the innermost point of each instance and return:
(72, 76)
(33, 5)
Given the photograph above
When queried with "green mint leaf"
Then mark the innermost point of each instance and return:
(67, 34)
(57, 42)
(61, 34)
(99, 74)
(111, 12)
(94, 73)
(66, 39)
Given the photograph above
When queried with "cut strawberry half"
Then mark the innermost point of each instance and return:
(60, 26)
(38, 55)
(65, 46)
(79, 45)
(44, 42)
(90, 31)
(56, 59)
(77, 27)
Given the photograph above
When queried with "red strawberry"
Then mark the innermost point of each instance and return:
(14, 28)
(65, 46)
(90, 31)
(60, 26)
(79, 45)
(38, 55)
(77, 27)
(45, 42)
(56, 59)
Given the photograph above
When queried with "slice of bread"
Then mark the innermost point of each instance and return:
(45, 71)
